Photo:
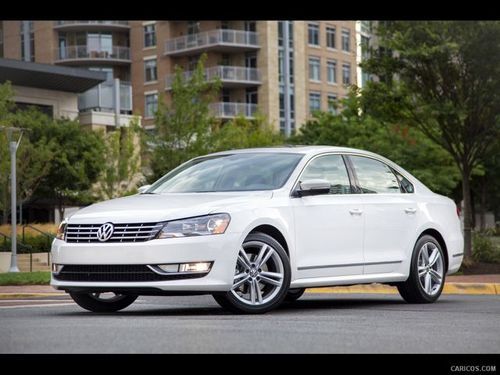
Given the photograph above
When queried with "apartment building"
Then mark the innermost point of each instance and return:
(284, 70)
(101, 46)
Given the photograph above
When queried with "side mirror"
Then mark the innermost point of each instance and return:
(313, 187)
(143, 188)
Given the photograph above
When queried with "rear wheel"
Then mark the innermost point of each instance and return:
(103, 302)
(261, 277)
(294, 294)
(427, 272)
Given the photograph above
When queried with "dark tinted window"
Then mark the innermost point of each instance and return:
(374, 176)
(237, 172)
(332, 169)
(406, 186)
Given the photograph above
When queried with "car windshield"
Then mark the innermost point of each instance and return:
(229, 172)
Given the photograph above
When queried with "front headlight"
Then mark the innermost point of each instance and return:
(195, 226)
(61, 230)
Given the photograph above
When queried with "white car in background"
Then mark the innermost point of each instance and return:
(256, 227)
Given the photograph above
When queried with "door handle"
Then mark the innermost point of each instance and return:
(410, 210)
(355, 211)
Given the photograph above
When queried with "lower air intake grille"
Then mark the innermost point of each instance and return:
(115, 272)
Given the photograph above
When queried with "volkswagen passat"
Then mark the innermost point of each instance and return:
(256, 227)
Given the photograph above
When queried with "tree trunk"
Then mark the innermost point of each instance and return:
(61, 208)
(467, 212)
(482, 208)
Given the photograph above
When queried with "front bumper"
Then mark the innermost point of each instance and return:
(222, 250)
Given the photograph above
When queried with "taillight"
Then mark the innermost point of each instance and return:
(458, 211)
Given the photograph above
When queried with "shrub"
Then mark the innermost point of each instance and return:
(483, 248)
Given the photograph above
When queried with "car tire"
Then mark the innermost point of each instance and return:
(413, 290)
(294, 294)
(93, 302)
(272, 295)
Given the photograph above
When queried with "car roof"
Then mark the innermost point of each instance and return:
(298, 149)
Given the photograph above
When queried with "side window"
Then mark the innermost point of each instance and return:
(406, 186)
(374, 176)
(332, 169)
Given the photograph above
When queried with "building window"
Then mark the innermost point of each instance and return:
(193, 27)
(151, 105)
(332, 103)
(1, 39)
(330, 37)
(346, 40)
(346, 74)
(287, 120)
(313, 34)
(150, 71)
(150, 35)
(28, 28)
(331, 71)
(314, 101)
(314, 69)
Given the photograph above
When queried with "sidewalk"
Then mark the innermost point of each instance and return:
(464, 284)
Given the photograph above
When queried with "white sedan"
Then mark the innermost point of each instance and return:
(256, 227)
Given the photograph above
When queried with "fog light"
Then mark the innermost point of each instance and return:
(169, 267)
(195, 267)
(56, 268)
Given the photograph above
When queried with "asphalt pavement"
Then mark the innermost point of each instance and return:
(317, 323)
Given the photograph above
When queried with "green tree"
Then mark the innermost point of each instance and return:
(408, 147)
(76, 163)
(244, 133)
(444, 79)
(33, 156)
(183, 125)
(122, 162)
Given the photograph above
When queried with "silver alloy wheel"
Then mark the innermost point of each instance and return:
(259, 273)
(430, 268)
(107, 296)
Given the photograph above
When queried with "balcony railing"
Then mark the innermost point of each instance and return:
(231, 110)
(222, 37)
(91, 23)
(102, 98)
(84, 53)
(227, 74)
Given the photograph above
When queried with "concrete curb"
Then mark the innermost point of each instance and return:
(28, 295)
(449, 288)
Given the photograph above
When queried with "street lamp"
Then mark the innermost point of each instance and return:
(13, 145)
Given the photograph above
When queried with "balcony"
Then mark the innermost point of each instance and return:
(76, 55)
(222, 40)
(101, 98)
(228, 110)
(230, 76)
(91, 25)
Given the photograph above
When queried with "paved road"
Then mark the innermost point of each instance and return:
(317, 323)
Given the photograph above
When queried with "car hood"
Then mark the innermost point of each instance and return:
(162, 207)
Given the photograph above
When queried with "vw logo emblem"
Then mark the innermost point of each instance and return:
(105, 232)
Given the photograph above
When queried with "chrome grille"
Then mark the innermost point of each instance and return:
(134, 232)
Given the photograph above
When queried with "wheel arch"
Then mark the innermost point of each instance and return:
(275, 233)
(440, 239)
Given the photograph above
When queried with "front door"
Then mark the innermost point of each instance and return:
(390, 216)
(329, 227)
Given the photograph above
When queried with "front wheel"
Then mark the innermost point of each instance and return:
(261, 277)
(427, 272)
(103, 302)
